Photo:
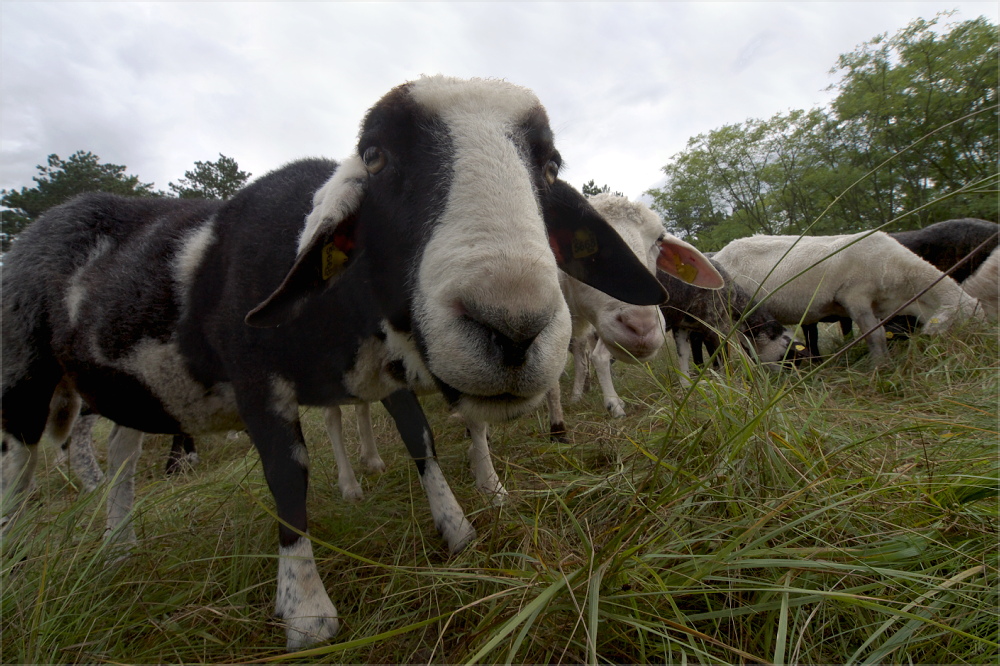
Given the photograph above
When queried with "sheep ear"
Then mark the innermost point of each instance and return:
(589, 249)
(685, 262)
(325, 247)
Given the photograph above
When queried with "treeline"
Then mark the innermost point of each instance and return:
(911, 138)
(59, 180)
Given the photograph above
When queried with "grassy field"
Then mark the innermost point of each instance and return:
(841, 515)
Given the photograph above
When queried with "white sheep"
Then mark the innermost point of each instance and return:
(865, 276)
(984, 284)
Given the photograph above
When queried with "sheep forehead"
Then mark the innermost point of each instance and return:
(634, 222)
(452, 97)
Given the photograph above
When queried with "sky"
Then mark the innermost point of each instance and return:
(159, 86)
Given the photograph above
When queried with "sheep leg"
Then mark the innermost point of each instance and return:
(412, 425)
(301, 600)
(869, 323)
(682, 341)
(124, 448)
(557, 421)
(481, 461)
(369, 452)
(346, 480)
(80, 451)
(580, 347)
(602, 364)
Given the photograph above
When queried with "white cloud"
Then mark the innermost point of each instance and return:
(157, 86)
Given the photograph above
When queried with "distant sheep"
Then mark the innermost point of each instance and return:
(695, 316)
(943, 245)
(864, 276)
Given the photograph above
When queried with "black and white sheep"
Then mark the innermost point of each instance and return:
(436, 245)
(697, 316)
(626, 331)
(942, 244)
(865, 276)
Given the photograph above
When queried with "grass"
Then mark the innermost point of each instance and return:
(845, 514)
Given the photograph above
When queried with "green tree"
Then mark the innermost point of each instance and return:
(920, 108)
(590, 189)
(211, 180)
(911, 138)
(57, 182)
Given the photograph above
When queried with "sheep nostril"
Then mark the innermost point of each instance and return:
(509, 334)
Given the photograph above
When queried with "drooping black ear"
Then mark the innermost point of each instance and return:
(590, 250)
(325, 247)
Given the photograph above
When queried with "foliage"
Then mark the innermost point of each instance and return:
(59, 181)
(590, 189)
(911, 138)
(835, 514)
(211, 180)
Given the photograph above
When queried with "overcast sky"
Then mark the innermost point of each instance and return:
(158, 86)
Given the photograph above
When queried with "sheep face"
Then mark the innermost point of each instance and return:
(635, 332)
(454, 198)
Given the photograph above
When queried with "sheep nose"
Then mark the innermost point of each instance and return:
(638, 325)
(508, 334)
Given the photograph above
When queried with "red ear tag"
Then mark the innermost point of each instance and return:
(333, 260)
(584, 243)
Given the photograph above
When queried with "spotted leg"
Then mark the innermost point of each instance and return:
(481, 462)
(301, 601)
(449, 518)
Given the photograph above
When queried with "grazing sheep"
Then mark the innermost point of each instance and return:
(865, 276)
(944, 245)
(697, 316)
(436, 245)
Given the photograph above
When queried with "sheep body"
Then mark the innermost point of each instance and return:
(865, 276)
(318, 284)
(698, 315)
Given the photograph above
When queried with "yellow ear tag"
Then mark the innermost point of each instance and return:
(800, 348)
(935, 320)
(333, 260)
(888, 335)
(686, 272)
(584, 244)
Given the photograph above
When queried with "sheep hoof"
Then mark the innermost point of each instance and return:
(373, 465)
(616, 408)
(303, 632)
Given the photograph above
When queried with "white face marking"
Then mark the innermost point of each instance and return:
(489, 246)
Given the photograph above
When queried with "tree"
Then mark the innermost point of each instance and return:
(921, 108)
(59, 181)
(211, 180)
(911, 138)
(590, 189)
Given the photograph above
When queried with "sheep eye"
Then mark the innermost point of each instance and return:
(374, 159)
(551, 172)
